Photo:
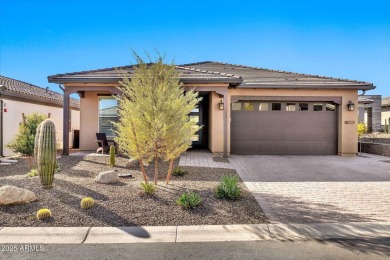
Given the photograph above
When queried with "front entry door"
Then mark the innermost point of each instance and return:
(196, 115)
(200, 116)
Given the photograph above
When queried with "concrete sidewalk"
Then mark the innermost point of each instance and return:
(210, 233)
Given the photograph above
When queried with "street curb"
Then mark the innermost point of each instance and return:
(42, 235)
(205, 233)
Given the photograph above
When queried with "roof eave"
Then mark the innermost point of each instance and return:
(314, 86)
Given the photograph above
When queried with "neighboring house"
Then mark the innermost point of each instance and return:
(23, 98)
(370, 112)
(385, 110)
(245, 110)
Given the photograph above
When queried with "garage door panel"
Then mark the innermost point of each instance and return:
(282, 119)
(284, 148)
(284, 132)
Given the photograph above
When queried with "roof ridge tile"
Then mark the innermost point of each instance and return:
(283, 71)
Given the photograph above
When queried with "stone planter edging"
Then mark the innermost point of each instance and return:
(375, 148)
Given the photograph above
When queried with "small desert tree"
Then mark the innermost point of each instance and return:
(23, 142)
(153, 109)
(180, 129)
(362, 129)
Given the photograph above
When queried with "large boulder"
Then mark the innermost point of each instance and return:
(11, 195)
(107, 177)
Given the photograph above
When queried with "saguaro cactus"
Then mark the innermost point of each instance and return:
(45, 152)
(112, 155)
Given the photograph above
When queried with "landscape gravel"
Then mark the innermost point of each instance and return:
(123, 203)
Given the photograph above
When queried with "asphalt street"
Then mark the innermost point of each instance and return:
(330, 249)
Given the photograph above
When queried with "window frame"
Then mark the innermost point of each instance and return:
(272, 106)
(111, 97)
(235, 104)
(292, 104)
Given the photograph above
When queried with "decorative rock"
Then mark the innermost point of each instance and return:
(130, 174)
(11, 195)
(132, 163)
(125, 175)
(107, 177)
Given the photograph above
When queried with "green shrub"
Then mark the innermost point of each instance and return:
(43, 214)
(178, 171)
(362, 129)
(32, 173)
(228, 188)
(87, 203)
(189, 200)
(24, 141)
(148, 187)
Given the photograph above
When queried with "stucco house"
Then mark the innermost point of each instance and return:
(20, 98)
(245, 110)
(370, 112)
(385, 110)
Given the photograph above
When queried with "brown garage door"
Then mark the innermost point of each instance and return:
(302, 128)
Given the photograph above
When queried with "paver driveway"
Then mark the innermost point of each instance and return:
(312, 189)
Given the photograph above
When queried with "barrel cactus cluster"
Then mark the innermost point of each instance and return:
(45, 152)
(43, 214)
(87, 203)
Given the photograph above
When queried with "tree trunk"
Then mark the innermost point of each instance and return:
(169, 171)
(155, 170)
(143, 171)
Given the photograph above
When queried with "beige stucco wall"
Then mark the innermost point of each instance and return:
(13, 117)
(215, 124)
(89, 120)
(347, 133)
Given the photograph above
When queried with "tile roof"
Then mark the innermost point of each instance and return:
(111, 75)
(254, 77)
(239, 75)
(30, 91)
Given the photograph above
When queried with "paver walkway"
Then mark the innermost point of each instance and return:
(316, 189)
(202, 159)
(7, 161)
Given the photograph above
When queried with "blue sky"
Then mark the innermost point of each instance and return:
(347, 39)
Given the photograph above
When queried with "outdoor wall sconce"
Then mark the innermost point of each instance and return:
(351, 106)
(220, 104)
